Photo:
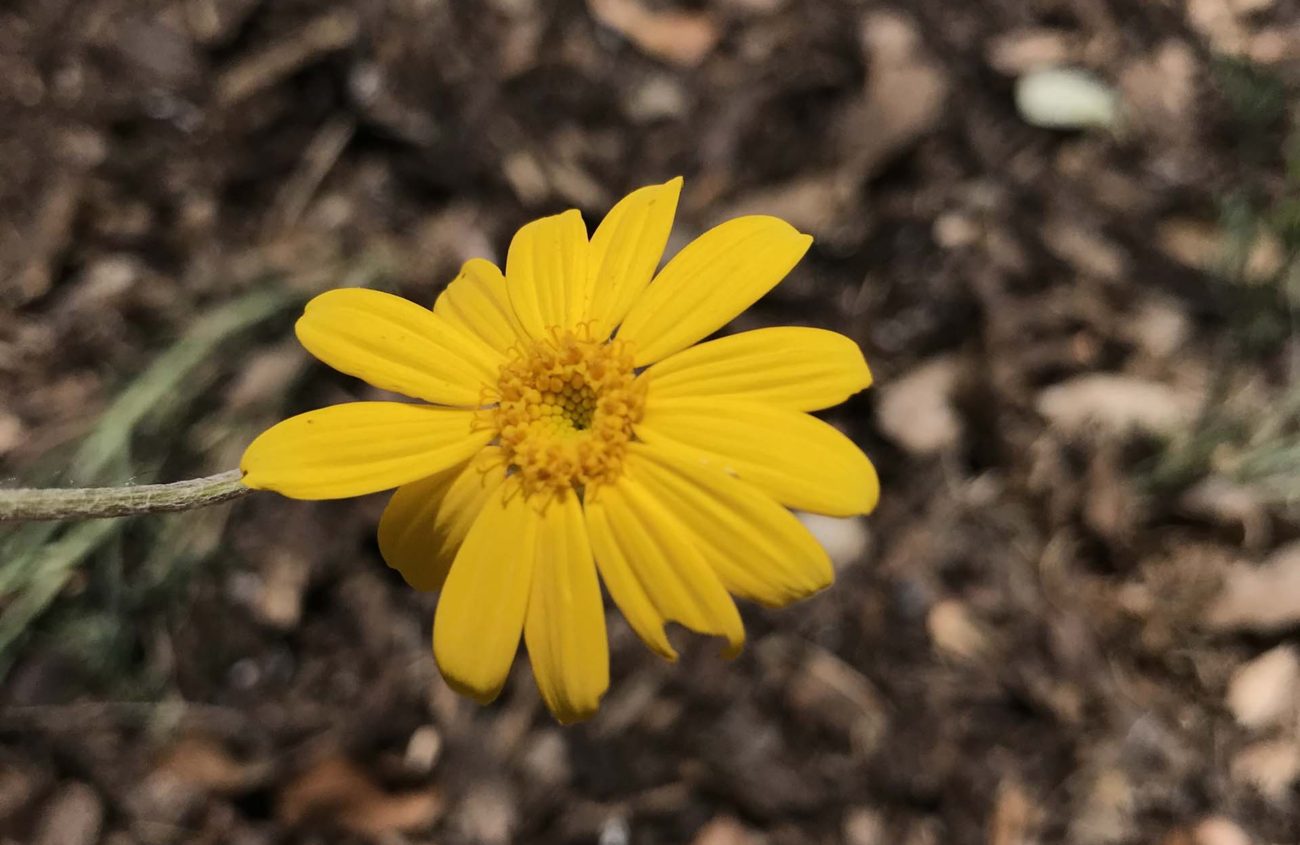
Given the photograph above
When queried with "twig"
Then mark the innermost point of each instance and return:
(37, 504)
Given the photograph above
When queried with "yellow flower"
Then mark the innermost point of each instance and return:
(575, 425)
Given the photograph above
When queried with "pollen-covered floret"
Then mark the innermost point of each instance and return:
(565, 410)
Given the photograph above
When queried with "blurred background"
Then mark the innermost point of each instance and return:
(1073, 617)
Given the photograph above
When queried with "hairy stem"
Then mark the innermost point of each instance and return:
(33, 505)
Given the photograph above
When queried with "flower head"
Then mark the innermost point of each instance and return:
(575, 425)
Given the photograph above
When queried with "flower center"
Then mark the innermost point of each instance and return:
(565, 410)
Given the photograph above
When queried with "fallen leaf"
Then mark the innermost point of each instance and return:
(206, 766)
(1205, 247)
(335, 793)
(681, 38)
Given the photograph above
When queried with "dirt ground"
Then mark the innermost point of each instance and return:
(1073, 617)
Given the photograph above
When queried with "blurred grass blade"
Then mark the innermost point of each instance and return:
(34, 566)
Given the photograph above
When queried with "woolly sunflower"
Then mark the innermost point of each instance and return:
(574, 426)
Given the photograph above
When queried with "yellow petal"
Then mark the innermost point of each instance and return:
(394, 344)
(426, 521)
(652, 571)
(476, 303)
(358, 448)
(546, 274)
(481, 611)
(758, 548)
(795, 458)
(626, 249)
(714, 278)
(791, 367)
(565, 624)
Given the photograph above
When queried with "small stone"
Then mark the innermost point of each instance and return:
(954, 632)
(1263, 692)
(725, 830)
(1271, 767)
(1219, 830)
(546, 760)
(1205, 247)
(1259, 598)
(845, 540)
(72, 817)
(863, 826)
(1085, 249)
(1066, 98)
(279, 602)
(1160, 91)
(1218, 22)
(1107, 814)
(1022, 50)
(614, 831)
(658, 98)
(1159, 328)
(12, 432)
(422, 750)
(916, 409)
(1015, 816)
(953, 230)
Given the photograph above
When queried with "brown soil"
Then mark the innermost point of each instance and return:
(1028, 641)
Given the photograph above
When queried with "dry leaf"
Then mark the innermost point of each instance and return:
(204, 765)
(335, 793)
(681, 38)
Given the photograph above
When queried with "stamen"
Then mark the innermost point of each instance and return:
(565, 411)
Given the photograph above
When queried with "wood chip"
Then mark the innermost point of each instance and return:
(1259, 598)
(1116, 404)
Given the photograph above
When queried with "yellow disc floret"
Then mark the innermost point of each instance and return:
(565, 410)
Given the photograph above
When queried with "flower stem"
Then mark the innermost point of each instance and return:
(33, 504)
